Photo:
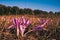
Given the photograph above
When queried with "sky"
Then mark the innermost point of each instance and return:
(45, 5)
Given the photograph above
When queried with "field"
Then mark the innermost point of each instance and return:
(51, 31)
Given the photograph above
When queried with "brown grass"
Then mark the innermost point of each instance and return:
(6, 34)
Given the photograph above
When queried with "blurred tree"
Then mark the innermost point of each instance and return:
(27, 11)
(8, 9)
(21, 11)
(2, 9)
(51, 14)
(14, 10)
(57, 13)
(37, 12)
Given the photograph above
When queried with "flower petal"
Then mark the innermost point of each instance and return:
(10, 26)
(17, 31)
(27, 22)
(22, 28)
(14, 21)
(23, 20)
(44, 23)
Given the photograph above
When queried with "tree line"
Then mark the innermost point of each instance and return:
(8, 10)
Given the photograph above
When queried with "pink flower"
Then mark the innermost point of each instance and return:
(38, 27)
(15, 24)
(24, 25)
(20, 25)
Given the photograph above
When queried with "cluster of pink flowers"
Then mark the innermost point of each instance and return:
(22, 24)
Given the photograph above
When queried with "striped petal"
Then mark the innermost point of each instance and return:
(23, 20)
(22, 28)
(10, 26)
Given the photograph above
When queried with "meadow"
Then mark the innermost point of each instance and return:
(51, 30)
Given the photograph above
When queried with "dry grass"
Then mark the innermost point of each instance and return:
(48, 34)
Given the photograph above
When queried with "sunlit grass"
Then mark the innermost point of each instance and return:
(51, 26)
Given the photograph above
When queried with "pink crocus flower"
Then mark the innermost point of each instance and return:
(20, 25)
(15, 24)
(38, 27)
(24, 25)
